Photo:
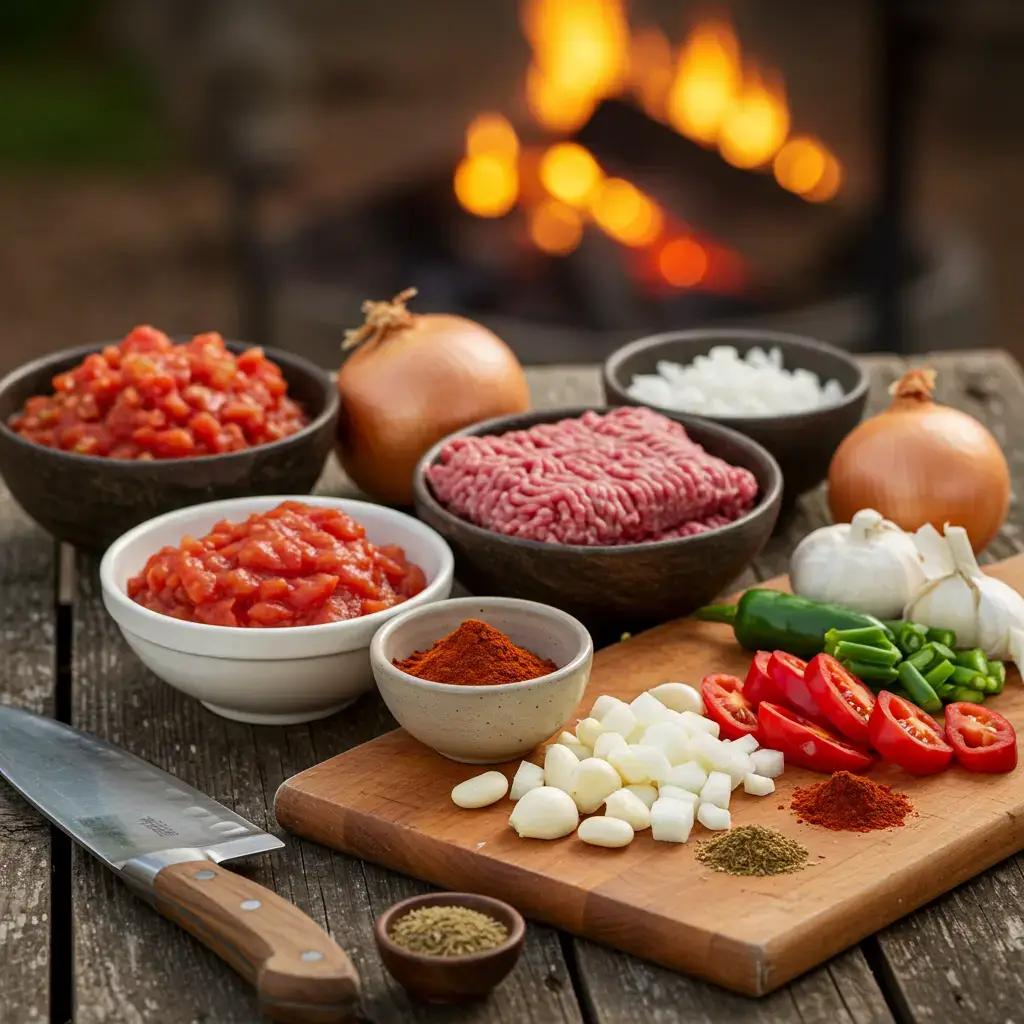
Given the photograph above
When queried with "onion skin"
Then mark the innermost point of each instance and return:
(919, 462)
(405, 389)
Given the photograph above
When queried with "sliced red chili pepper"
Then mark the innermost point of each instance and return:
(725, 704)
(901, 732)
(806, 744)
(758, 685)
(786, 671)
(982, 740)
(840, 696)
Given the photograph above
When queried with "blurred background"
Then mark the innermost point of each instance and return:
(575, 173)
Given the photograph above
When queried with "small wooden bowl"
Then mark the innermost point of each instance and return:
(456, 979)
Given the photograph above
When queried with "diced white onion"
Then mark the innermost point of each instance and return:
(758, 785)
(717, 790)
(671, 821)
(714, 818)
(769, 763)
(689, 775)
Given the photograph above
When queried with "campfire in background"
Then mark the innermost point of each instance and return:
(584, 53)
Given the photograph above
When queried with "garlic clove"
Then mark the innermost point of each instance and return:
(480, 790)
(592, 783)
(545, 813)
(620, 719)
(567, 739)
(560, 763)
(587, 731)
(607, 742)
(612, 833)
(679, 697)
(625, 804)
(528, 776)
(604, 704)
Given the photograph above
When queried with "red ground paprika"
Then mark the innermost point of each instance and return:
(475, 654)
(851, 803)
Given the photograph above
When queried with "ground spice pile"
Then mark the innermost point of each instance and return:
(752, 850)
(447, 931)
(851, 803)
(476, 654)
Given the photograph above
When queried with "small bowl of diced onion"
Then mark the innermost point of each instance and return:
(795, 396)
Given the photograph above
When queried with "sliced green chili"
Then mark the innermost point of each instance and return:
(939, 674)
(922, 660)
(942, 636)
(966, 693)
(917, 686)
(944, 652)
(996, 670)
(873, 636)
(846, 651)
(911, 637)
(871, 674)
(974, 658)
(968, 677)
(944, 691)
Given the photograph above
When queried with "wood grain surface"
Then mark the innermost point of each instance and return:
(27, 635)
(132, 966)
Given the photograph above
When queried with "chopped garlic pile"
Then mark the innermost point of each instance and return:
(654, 763)
(723, 384)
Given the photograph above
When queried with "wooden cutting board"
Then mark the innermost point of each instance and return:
(388, 801)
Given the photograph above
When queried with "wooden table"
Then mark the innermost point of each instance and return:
(74, 944)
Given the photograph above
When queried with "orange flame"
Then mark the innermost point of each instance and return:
(805, 166)
(651, 71)
(555, 228)
(756, 124)
(487, 184)
(580, 54)
(491, 133)
(707, 81)
(624, 213)
(570, 173)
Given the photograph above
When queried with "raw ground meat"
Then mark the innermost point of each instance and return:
(627, 477)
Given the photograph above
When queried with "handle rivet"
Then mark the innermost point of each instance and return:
(312, 955)
(250, 904)
(205, 875)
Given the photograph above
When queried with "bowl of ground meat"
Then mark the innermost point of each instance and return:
(96, 440)
(623, 517)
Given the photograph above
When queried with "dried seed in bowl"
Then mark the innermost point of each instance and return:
(447, 931)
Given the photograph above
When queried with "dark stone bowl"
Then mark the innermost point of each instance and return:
(803, 444)
(90, 501)
(624, 587)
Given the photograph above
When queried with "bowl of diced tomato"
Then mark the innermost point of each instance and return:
(95, 440)
(263, 608)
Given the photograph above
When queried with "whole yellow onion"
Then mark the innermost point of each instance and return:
(412, 379)
(920, 462)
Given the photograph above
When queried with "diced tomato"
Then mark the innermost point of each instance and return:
(840, 696)
(285, 567)
(786, 671)
(759, 685)
(808, 745)
(902, 733)
(725, 704)
(982, 740)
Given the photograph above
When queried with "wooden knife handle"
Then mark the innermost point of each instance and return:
(300, 973)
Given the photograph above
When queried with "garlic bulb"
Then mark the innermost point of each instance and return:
(982, 611)
(869, 565)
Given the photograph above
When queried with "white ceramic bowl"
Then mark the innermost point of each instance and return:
(264, 676)
(484, 724)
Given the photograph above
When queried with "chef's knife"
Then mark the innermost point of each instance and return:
(166, 840)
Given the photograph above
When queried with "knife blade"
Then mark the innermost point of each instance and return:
(166, 840)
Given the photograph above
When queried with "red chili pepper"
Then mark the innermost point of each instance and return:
(901, 732)
(759, 685)
(982, 740)
(725, 703)
(786, 671)
(840, 696)
(806, 744)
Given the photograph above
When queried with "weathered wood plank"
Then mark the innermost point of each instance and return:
(27, 640)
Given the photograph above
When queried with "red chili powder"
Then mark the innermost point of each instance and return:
(476, 654)
(851, 803)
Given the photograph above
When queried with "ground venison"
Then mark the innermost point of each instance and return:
(626, 477)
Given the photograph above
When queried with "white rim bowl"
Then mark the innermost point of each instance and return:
(128, 555)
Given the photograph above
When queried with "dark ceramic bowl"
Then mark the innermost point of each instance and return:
(90, 501)
(438, 979)
(621, 587)
(804, 443)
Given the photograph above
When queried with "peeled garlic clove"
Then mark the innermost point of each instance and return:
(559, 765)
(592, 783)
(567, 739)
(714, 818)
(545, 813)
(679, 697)
(643, 792)
(625, 804)
(587, 731)
(757, 785)
(480, 790)
(607, 742)
(717, 790)
(608, 832)
(619, 719)
(768, 763)
(528, 776)
(603, 705)
(671, 821)
(688, 775)
(649, 710)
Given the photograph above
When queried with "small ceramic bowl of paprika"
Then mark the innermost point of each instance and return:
(474, 721)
